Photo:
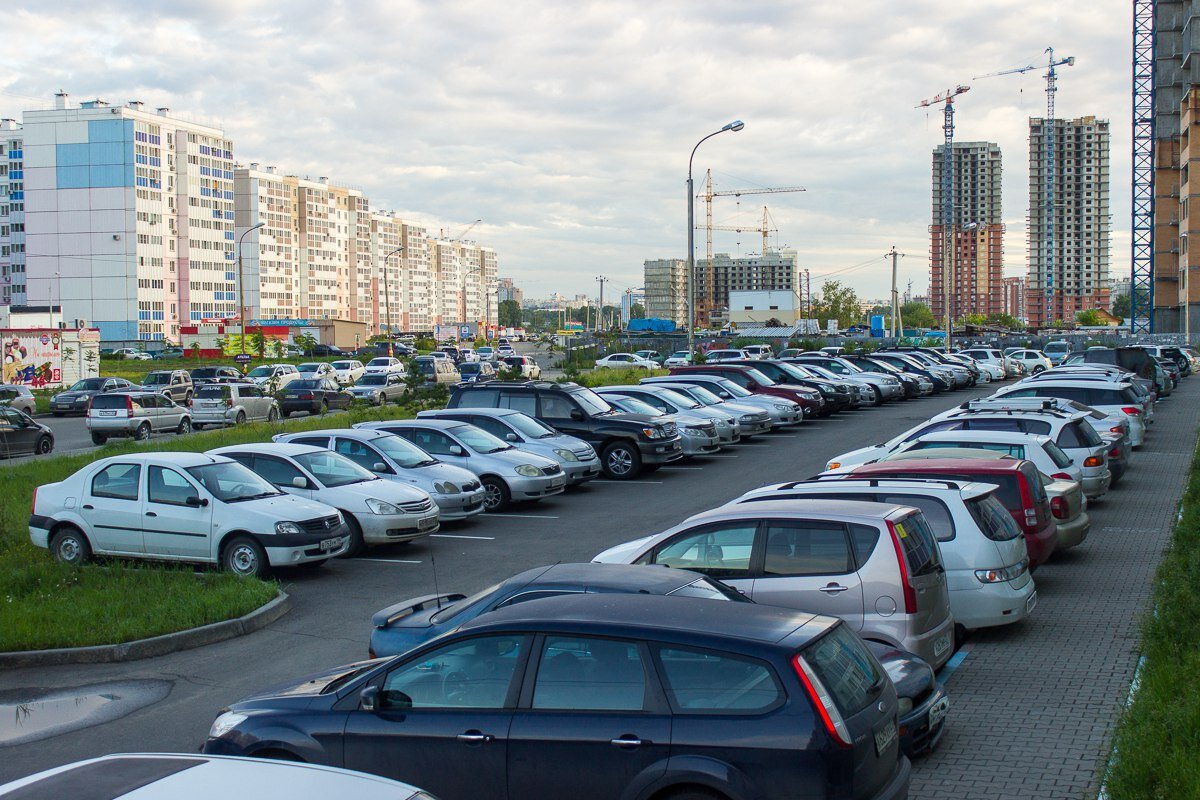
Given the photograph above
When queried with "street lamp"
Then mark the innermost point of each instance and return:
(736, 125)
(242, 285)
(387, 300)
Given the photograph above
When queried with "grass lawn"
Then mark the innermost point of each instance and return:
(1158, 736)
(610, 376)
(44, 604)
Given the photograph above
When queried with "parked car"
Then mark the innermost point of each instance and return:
(698, 434)
(987, 564)
(138, 505)
(232, 404)
(130, 354)
(274, 377)
(822, 556)
(174, 383)
(1133, 359)
(347, 371)
(76, 398)
(19, 397)
(885, 386)
(385, 364)
(508, 475)
(666, 401)
(1034, 361)
(316, 396)
(135, 413)
(779, 413)
(486, 353)
(467, 354)
(651, 355)
(206, 375)
(379, 388)
(1057, 351)
(168, 353)
(21, 435)
(376, 511)
(760, 351)
(1041, 450)
(477, 371)
(803, 401)
(576, 457)
(679, 358)
(437, 371)
(716, 355)
(326, 351)
(456, 491)
(627, 443)
(747, 420)
(529, 368)
(941, 378)
(1109, 397)
(719, 689)
(625, 361)
(316, 369)
(986, 355)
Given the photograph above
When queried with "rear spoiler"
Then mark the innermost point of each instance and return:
(384, 618)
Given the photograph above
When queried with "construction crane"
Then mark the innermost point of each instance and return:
(461, 236)
(947, 97)
(708, 300)
(765, 229)
(1141, 277)
(1048, 187)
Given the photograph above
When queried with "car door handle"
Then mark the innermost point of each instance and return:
(475, 737)
(833, 588)
(88, 507)
(151, 514)
(627, 740)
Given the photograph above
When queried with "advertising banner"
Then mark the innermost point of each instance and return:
(31, 358)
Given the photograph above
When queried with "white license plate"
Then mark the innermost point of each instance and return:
(1031, 603)
(938, 712)
(884, 737)
(941, 645)
(108, 413)
(554, 484)
(426, 523)
(330, 544)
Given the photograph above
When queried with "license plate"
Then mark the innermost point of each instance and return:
(884, 737)
(426, 523)
(941, 645)
(554, 484)
(108, 413)
(1031, 603)
(330, 544)
(938, 712)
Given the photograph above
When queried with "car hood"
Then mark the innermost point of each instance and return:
(517, 457)
(306, 687)
(283, 507)
(439, 472)
(76, 395)
(382, 489)
(911, 675)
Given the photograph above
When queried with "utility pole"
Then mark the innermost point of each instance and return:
(895, 292)
(600, 310)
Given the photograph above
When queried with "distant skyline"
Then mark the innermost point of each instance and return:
(566, 128)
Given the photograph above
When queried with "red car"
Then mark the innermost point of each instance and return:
(1021, 491)
(755, 381)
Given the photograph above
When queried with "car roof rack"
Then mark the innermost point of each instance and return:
(843, 477)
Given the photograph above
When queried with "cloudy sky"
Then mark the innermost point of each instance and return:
(566, 126)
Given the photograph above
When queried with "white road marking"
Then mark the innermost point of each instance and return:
(459, 536)
(390, 560)
(523, 516)
(635, 483)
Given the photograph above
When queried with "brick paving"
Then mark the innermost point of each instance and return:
(1033, 705)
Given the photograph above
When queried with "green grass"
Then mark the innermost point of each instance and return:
(1158, 735)
(609, 376)
(44, 604)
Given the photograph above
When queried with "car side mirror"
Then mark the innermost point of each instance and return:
(379, 466)
(576, 415)
(196, 502)
(368, 699)
(512, 437)
(455, 450)
(299, 483)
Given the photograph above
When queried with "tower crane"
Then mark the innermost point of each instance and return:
(462, 235)
(947, 97)
(708, 299)
(1048, 179)
(765, 229)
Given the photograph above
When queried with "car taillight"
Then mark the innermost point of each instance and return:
(1058, 507)
(1062, 476)
(229, 402)
(1031, 518)
(1114, 453)
(831, 718)
(910, 594)
(1093, 461)
(1116, 429)
(306, 396)
(1132, 411)
(129, 405)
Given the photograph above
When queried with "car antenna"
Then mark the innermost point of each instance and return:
(436, 591)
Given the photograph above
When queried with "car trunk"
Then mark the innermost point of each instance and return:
(1067, 496)
(926, 575)
(214, 396)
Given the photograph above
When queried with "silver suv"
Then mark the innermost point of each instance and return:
(136, 414)
(174, 383)
(232, 404)
(875, 565)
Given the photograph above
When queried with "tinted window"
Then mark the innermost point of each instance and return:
(119, 481)
(845, 668)
(472, 674)
(709, 589)
(356, 451)
(1056, 454)
(920, 549)
(168, 486)
(214, 391)
(584, 673)
(275, 470)
(1071, 436)
(556, 406)
(936, 513)
(434, 442)
(719, 551)
(110, 401)
(706, 681)
(493, 426)
(806, 548)
(1015, 450)
(993, 518)
(864, 538)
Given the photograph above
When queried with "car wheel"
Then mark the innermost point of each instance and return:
(621, 461)
(878, 395)
(357, 545)
(272, 415)
(70, 546)
(244, 557)
(496, 496)
(240, 419)
(57, 413)
(1038, 368)
(99, 439)
(44, 446)
(185, 427)
(143, 432)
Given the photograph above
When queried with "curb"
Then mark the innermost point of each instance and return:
(155, 645)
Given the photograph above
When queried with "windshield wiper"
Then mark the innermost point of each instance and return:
(258, 496)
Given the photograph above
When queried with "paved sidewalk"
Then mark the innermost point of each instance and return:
(1033, 706)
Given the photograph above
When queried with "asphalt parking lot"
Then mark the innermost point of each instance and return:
(1032, 705)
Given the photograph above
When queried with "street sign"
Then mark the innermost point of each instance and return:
(243, 358)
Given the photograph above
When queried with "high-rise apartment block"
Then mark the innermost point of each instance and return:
(1012, 299)
(773, 271)
(507, 290)
(976, 235)
(12, 212)
(666, 289)
(1081, 225)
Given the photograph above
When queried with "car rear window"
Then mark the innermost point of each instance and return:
(1034, 479)
(993, 518)
(110, 401)
(845, 668)
(213, 390)
(1056, 454)
(1079, 434)
(919, 544)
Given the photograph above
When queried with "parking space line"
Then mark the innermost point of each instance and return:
(459, 536)
(952, 664)
(682, 469)
(523, 516)
(704, 455)
(635, 483)
(390, 560)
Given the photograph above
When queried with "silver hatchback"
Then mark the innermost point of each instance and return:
(136, 414)
(232, 404)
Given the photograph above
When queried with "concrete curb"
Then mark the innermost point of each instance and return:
(154, 646)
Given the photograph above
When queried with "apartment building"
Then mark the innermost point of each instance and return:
(1013, 298)
(976, 236)
(262, 195)
(665, 281)
(777, 270)
(1075, 270)
(12, 214)
(507, 290)
(1177, 70)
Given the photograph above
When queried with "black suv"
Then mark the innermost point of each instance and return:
(627, 443)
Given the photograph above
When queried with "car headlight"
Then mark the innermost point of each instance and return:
(1002, 574)
(891, 381)
(694, 432)
(224, 724)
(823, 389)
(565, 455)
(782, 407)
(903, 706)
(381, 507)
(529, 471)
(446, 487)
(721, 423)
(287, 528)
(652, 433)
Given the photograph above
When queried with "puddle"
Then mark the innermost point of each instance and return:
(27, 715)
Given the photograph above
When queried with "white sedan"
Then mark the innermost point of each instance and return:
(384, 365)
(680, 358)
(625, 361)
(130, 354)
(347, 372)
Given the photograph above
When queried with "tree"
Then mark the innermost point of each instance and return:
(917, 315)
(1005, 321)
(306, 342)
(774, 322)
(1120, 306)
(1090, 318)
(838, 302)
(257, 343)
(509, 314)
(638, 311)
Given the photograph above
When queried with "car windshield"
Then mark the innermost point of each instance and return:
(591, 402)
(882, 366)
(759, 377)
(704, 396)
(309, 367)
(219, 390)
(710, 589)
(514, 361)
(403, 452)
(675, 398)
(679, 354)
(157, 379)
(733, 389)
(845, 668)
(334, 470)
(469, 368)
(631, 405)
(261, 372)
(480, 440)
(341, 365)
(425, 366)
(993, 518)
(230, 482)
(1060, 459)
(87, 385)
(372, 380)
(379, 362)
(530, 427)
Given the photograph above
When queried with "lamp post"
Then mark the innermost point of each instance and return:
(736, 125)
(242, 285)
(387, 300)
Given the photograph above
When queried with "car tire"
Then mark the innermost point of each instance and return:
(878, 395)
(69, 546)
(244, 557)
(143, 432)
(57, 413)
(240, 419)
(357, 544)
(44, 445)
(496, 496)
(99, 439)
(621, 461)
(1038, 369)
(273, 415)
(285, 414)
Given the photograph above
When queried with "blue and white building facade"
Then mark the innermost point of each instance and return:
(128, 218)
(12, 212)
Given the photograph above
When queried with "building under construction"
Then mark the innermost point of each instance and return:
(777, 270)
(976, 235)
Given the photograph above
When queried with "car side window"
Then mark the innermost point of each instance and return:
(1069, 436)
(477, 673)
(584, 673)
(555, 406)
(276, 470)
(315, 441)
(493, 426)
(168, 487)
(803, 547)
(361, 454)
(525, 402)
(864, 538)
(117, 481)
(432, 442)
(707, 681)
(720, 551)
